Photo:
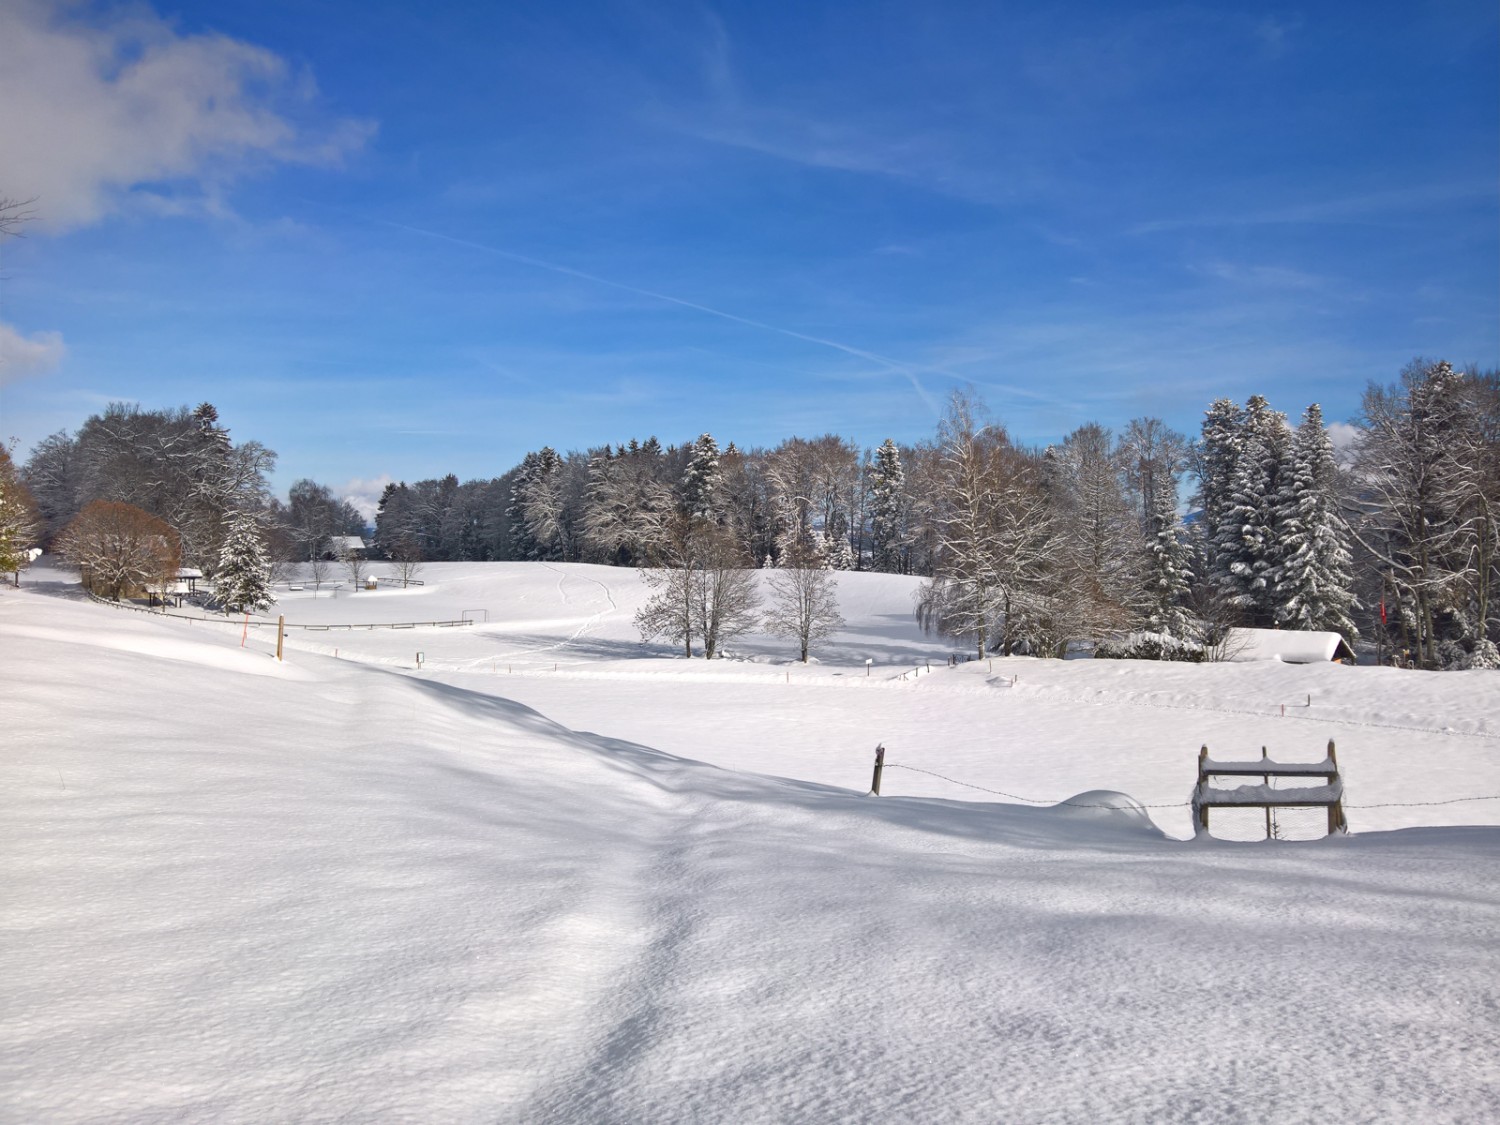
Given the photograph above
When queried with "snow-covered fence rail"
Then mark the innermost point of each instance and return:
(1329, 795)
(271, 624)
(131, 606)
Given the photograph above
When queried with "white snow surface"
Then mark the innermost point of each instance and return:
(341, 889)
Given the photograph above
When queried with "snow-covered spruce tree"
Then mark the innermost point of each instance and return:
(537, 512)
(1314, 584)
(242, 579)
(18, 519)
(1213, 458)
(545, 508)
(398, 520)
(523, 544)
(837, 552)
(1167, 574)
(888, 510)
(1247, 547)
(703, 481)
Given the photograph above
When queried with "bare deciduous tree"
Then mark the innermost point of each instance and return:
(119, 548)
(804, 605)
(407, 556)
(703, 588)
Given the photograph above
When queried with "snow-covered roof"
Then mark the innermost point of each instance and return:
(1290, 646)
(346, 543)
(189, 572)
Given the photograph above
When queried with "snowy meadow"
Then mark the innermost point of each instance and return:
(551, 873)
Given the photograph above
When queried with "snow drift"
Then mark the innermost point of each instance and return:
(339, 891)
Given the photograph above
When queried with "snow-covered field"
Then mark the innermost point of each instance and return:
(340, 888)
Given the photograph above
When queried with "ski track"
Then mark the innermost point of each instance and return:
(587, 627)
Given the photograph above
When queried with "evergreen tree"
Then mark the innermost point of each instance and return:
(1247, 546)
(703, 482)
(537, 513)
(1168, 575)
(1214, 457)
(1314, 585)
(242, 579)
(18, 521)
(888, 510)
(838, 553)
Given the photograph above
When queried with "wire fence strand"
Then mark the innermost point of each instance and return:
(1171, 805)
(1027, 800)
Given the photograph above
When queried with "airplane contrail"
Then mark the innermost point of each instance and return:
(909, 371)
(859, 353)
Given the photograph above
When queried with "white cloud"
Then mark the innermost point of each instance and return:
(21, 356)
(1343, 436)
(364, 493)
(104, 108)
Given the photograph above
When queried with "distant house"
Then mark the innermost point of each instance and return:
(345, 546)
(1290, 646)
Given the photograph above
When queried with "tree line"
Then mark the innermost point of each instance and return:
(1023, 549)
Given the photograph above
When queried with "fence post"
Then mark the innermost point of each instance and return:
(1336, 821)
(879, 769)
(280, 633)
(1266, 781)
(1202, 809)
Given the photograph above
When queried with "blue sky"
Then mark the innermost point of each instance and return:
(393, 240)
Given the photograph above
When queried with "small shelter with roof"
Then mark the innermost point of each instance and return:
(1290, 646)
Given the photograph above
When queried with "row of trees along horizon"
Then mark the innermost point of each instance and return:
(1024, 550)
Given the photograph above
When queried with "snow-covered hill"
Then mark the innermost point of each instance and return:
(341, 889)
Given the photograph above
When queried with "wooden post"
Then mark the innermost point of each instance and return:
(1266, 781)
(1202, 778)
(879, 769)
(280, 633)
(1336, 810)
